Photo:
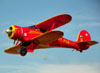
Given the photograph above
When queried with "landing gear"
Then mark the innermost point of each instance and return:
(23, 51)
(81, 51)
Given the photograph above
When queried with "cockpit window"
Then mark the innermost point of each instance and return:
(33, 27)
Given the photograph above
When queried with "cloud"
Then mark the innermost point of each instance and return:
(52, 68)
(69, 69)
(91, 24)
(88, 20)
(86, 17)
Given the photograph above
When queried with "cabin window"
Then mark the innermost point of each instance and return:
(33, 27)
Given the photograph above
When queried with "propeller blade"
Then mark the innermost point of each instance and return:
(4, 31)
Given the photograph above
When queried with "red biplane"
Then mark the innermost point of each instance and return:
(42, 36)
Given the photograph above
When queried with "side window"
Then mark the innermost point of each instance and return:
(33, 27)
(42, 30)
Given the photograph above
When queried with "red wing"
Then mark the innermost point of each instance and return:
(54, 22)
(48, 37)
(14, 49)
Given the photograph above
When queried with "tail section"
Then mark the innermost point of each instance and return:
(84, 41)
(83, 36)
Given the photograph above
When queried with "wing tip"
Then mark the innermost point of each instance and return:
(11, 52)
(68, 16)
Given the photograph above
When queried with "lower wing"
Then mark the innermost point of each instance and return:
(14, 49)
(42, 40)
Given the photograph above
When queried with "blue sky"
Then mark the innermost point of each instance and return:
(85, 15)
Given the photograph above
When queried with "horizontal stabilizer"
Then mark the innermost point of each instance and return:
(90, 43)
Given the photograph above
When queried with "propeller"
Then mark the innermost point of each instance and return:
(8, 31)
(4, 31)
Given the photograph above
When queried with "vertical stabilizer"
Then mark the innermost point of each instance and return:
(84, 40)
(83, 36)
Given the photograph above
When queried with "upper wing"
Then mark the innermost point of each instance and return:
(14, 49)
(54, 22)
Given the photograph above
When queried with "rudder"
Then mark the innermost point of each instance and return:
(83, 36)
(84, 40)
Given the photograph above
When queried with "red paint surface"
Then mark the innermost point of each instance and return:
(25, 34)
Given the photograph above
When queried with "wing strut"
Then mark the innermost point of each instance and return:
(17, 42)
(52, 26)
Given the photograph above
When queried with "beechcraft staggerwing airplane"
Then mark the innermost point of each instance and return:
(42, 36)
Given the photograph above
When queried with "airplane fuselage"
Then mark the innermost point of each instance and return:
(26, 34)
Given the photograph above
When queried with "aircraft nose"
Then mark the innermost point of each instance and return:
(8, 31)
